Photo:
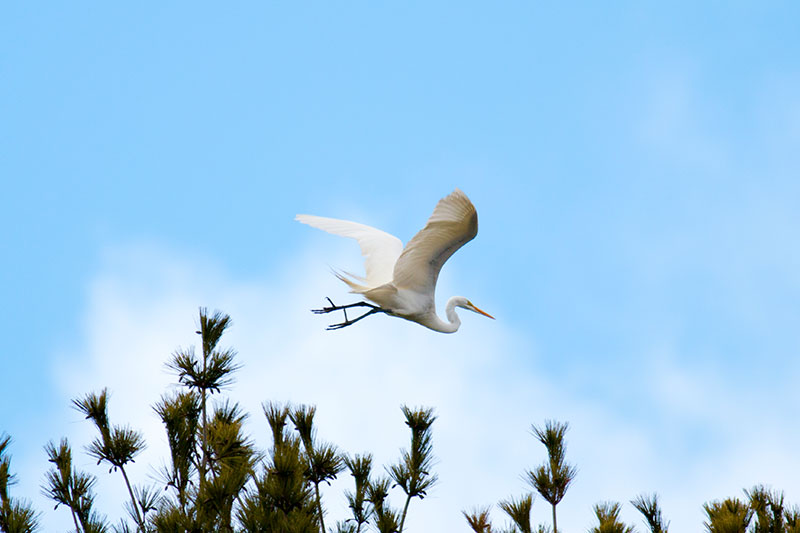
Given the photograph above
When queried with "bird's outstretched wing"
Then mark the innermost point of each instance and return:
(454, 222)
(380, 249)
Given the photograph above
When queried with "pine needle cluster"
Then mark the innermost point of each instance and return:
(651, 510)
(763, 511)
(16, 516)
(413, 473)
(551, 480)
(728, 516)
(607, 514)
(519, 511)
(359, 467)
(69, 487)
(215, 479)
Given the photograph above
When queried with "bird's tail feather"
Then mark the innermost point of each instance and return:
(351, 281)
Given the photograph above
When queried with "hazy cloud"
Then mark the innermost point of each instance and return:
(485, 383)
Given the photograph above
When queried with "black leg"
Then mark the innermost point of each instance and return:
(353, 321)
(348, 322)
(342, 307)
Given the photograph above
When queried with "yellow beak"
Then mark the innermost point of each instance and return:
(484, 313)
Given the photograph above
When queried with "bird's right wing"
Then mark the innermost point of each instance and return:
(380, 249)
(454, 223)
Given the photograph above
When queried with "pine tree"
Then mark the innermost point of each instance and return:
(16, 516)
(553, 478)
(728, 516)
(608, 519)
(648, 506)
(413, 473)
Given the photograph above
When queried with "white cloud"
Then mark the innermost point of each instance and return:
(484, 381)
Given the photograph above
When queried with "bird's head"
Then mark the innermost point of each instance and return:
(466, 304)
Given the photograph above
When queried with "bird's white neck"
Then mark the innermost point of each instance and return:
(450, 311)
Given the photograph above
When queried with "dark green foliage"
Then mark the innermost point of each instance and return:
(553, 478)
(792, 517)
(116, 445)
(728, 516)
(519, 511)
(148, 500)
(413, 473)
(212, 460)
(768, 508)
(211, 328)
(15, 516)
(180, 415)
(360, 467)
(214, 370)
(648, 506)
(18, 517)
(302, 417)
(118, 448)
(282, 499)
(276, 418)
(216, 479)
(285, 482)
(170, 519)
(387, 520)
(231, 461)
(210, 374)
(324, 463)
(478, 520)
(6, 477)
(67, 486)
(608, 519)
(322, 460)
(205, 376)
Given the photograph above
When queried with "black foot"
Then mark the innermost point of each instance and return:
(353, 321)
(334, 307)
(347, 322)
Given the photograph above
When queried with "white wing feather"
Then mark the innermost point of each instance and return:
(380, 249)
(454, 223)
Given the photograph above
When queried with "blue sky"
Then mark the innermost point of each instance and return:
(634, 167)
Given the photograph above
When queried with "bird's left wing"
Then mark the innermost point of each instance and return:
(380, 249)
(454, 223)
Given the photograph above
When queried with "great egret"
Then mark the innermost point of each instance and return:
(402, 281)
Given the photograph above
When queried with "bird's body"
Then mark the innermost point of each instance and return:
(400, 280)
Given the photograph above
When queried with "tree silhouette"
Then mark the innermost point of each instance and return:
(519, 511)
(67, 486)
(553, 478)
(116, 445)
(217, 479)
(360, 467)
(648, 506)
(16, 516)
(413, 473)
(728, 516)
(608, 521)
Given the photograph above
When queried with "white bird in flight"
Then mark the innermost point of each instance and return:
(401, 281)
